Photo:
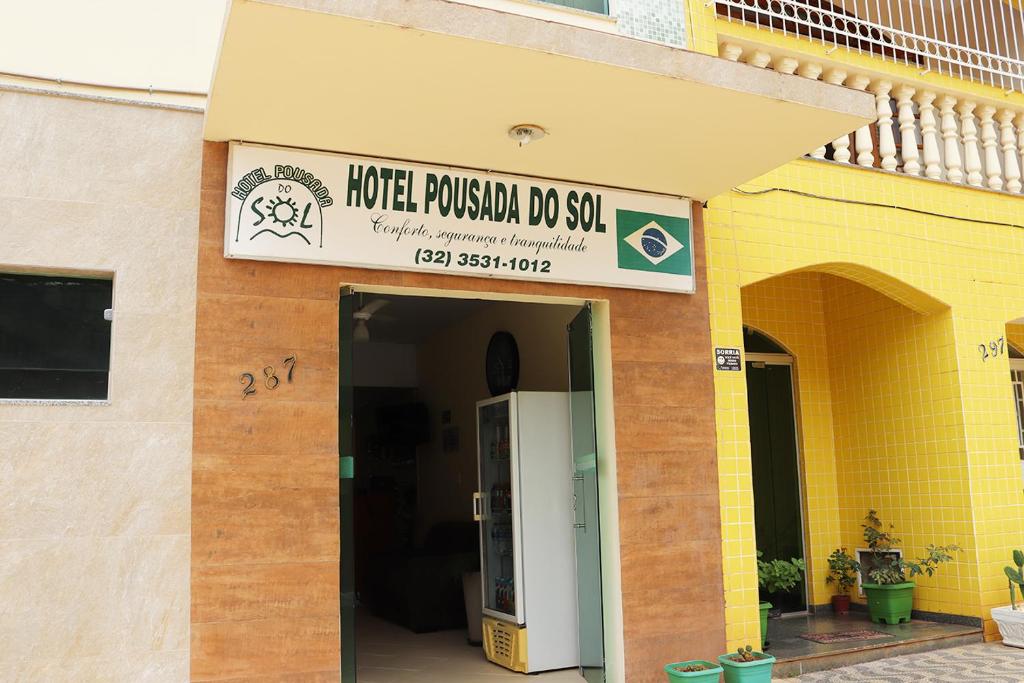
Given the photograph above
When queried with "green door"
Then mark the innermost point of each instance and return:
(346, 489)
(585, 498)
(773, 456)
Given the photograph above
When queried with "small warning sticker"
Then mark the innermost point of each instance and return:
(727, 359)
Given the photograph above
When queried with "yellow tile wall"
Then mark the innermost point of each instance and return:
(922, 427)
(899, 444)
(702, 27)
(791, 311)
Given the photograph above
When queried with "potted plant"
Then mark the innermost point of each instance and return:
(1009, 619)
(693, 671)
(890, 593)
(842, 571)
(747, 665)
(777, 576)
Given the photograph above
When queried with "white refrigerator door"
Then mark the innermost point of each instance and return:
(547, 549)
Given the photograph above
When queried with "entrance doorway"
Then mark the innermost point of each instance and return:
(1017, 381)
(469, 500)
(778, 517)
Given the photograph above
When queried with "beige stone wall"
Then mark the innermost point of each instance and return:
(94, 499)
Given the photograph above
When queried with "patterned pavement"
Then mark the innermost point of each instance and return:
(982, 663)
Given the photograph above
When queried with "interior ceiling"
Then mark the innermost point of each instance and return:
(411, 319)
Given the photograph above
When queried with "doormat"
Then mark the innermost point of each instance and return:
(844, 636)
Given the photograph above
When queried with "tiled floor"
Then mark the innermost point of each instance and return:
(982, 663)
(391, 654)
(784, 639)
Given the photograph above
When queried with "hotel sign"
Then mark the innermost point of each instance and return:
(311, 207)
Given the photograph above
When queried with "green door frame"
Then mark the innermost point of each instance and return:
(346, 459)
(346, 486)
(766, 360)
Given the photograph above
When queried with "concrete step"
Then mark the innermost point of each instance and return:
(865, 652)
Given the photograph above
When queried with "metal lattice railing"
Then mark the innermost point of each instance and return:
(978, 40)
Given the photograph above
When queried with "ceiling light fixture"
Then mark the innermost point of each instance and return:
(361, 332)
(525, 133)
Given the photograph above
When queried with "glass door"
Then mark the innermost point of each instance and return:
(346, 491)
(585, 497)
(495, 507)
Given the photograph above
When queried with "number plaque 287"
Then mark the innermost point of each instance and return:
(270, 379)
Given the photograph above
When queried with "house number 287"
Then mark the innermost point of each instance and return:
(270, 379)
(996, 347)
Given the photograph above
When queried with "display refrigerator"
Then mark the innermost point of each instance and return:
(524, 506)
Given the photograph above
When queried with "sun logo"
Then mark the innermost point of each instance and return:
(293, 211)
(283, 211)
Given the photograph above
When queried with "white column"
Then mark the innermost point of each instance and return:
(1018, 123)
(951, 145)
(929, 135)
(908, 130)
(1008, 144)
(1017, 151)
(785, 65)
(862, 138)
(811, 71)
(842, 143)
(993, 170)
(759, 58)
(730, 51)
(886, 140)
(972, 160)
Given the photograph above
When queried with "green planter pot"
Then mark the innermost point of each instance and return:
(757, 671)
(765, 606)
(709, 675)
(890, 603)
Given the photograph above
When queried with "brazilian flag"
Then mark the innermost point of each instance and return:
(654, 243)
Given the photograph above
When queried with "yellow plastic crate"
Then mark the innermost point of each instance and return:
(505, 644)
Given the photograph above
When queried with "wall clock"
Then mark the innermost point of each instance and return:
(502, 363)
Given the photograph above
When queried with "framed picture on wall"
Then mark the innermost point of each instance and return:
(869, 560)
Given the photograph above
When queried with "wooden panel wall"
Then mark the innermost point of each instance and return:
(265, 547)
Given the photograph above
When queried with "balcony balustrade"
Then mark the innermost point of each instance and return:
(920, 131)
(978, 40)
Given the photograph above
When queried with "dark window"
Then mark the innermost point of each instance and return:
(599, 6)
(755, 342)
(54, 341)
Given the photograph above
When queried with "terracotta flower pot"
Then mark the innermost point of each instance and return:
(841, 604)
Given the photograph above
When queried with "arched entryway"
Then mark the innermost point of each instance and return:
(1015, 351)
(867, 413)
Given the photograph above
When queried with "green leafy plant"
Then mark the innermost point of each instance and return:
(1016, 577)
(778, 576)
(887, 567)
(842, 570)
